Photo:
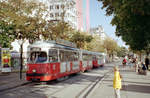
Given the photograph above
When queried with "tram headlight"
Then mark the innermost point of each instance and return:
(33, 70)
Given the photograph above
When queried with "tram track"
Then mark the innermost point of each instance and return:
(89, 88)
(85, 91)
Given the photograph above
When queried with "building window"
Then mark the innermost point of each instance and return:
(62, 6)
(62, 14)
(56, 14)
(51, 15)
(51, 7)
(57, 7)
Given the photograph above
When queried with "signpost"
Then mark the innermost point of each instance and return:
(5, 60)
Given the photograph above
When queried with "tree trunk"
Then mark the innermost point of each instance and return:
(112, 57)
(147, 52)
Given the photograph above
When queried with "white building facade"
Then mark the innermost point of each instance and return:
(62, 10)
(99, 31)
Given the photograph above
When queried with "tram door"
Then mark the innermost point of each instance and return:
(53, 60)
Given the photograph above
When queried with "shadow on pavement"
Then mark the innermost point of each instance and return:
(136, 88)
(127, 82)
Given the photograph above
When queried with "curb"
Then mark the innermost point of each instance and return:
(96, 86)
(87, 90)
(87, 93)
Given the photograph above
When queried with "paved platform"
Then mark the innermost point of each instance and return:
(11, 80)
(134, 85)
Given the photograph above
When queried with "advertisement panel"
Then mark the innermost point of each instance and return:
(6, 60)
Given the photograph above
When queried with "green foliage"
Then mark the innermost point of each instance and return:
(81, 39)
(6, 35)
(110, 45)
(131, 18)
(96, 45)
(122, 52)
(22, 18)
(57, 29)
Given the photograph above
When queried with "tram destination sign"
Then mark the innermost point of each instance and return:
(35, 49)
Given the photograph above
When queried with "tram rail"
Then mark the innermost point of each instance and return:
(89, 88)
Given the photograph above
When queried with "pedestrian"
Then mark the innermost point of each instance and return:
(124, 62)
(142, 69)
(117, 82)
(136, 63)
(147, 62)
(130, 62)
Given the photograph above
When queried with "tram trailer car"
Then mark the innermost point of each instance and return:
(48, 60)
(86, 60)
(98, 59)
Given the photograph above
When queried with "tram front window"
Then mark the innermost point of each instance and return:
(38, 57)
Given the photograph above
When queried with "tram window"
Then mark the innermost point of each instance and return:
(67, 55)
(63, 56)
(87, 57)
(53, 55)
(38, 57)
(93, 57)
(100, 57)
(75, 56)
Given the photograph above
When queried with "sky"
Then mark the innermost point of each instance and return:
(98, 17)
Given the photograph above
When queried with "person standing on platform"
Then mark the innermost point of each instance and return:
(124, 62)
(147, 62)
(117, 82)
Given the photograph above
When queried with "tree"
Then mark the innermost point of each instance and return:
(19, 22)
(110, 46)
(81, 39)
(57, 29)
(6, 36)
(122, 52)
(96, 45)
(130, 19)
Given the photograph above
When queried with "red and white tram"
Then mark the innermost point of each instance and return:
(49, 60)
(98, 59)
(86, 58)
